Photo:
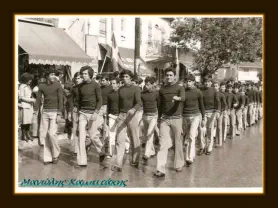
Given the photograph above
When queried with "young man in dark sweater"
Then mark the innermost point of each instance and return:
(260, 102)
(102, 125)
(219, 121)
(129, 103)
(171, 97)
(150, 100)
(250, 95)
(138, 82)
(52, 111)
(245, 109)
(239, 108)
(256, 101)
(212, 111)
(113, 113)
(193, 112)
(90, 102)
(232, 103)
(74, 116)
(225, 112)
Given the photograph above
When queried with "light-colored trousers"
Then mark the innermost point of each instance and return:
(244, 117)
(168, 128)
(251, 114)
(238, 120)
(232, 122)
(220, 127)
(51, 146)
(84, 119)
(225, 119)
(149, 121)
(207, 131)
(74, 130)
(190, 126)
(257, 112)
(260, 111)
(112, 134)
(127, 123)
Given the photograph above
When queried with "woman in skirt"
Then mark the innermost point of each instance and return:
(26, 106)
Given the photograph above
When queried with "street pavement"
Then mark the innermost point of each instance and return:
(238, 163)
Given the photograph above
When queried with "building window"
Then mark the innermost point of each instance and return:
(150, 33)
(246, 72)
(102, 27)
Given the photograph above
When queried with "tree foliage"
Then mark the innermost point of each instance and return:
(222, 40)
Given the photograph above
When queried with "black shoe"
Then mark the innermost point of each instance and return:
(145, 160)
(81, 166)
(188, 163)
(159, 174)
(135, 164)
(238, 134)
(144, 145)
(55, 160)
(23, 136)
(102, 158)
(208, 153)
(47, 163)
(29, 136)
(74, 154)
(88, 147)
(116, 169)
(202, 151)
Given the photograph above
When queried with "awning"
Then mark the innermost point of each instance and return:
(127, 58)
(49, 45)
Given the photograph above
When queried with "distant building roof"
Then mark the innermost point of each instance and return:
(256, 64)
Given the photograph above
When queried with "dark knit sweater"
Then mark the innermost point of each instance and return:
(90, 98)
(247, 100)
(105, 90)
(167, 106)
(211, 99)
(53, 96)
(256, 96)
(75, 96)
(150, 101)
(193, 103)
(260, 97)
(129, 97)
(223, 102)
(244, 100)
(113, 103)
(231, 100)
(240, 100)
(250, 94)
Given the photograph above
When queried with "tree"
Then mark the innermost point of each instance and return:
(222, 41)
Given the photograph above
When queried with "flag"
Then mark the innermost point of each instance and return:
(114, 54)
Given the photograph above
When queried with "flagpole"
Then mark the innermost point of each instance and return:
(103, 64)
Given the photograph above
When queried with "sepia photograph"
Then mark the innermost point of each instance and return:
(139, 104)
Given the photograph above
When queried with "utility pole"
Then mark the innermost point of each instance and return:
(137, 45)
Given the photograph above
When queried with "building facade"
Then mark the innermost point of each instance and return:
(245, 71)
(92, 32)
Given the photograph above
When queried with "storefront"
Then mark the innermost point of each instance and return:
(42, 47)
